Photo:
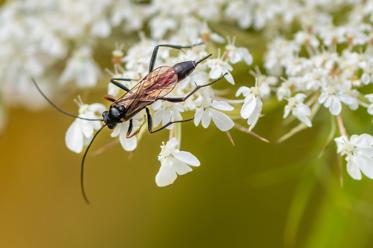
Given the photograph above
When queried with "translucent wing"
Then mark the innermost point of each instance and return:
(158, 83)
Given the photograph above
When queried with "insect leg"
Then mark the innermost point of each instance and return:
(150, 122)
(155, 52)
(130, 127)
(119, 85)
(109, 98)
(182, 99)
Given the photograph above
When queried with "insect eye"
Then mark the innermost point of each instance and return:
(115, 112)
(121, 109)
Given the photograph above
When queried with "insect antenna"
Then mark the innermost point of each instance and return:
(58, 108)
(203, 59)
(82, 165)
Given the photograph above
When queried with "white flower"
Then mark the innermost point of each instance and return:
(219, 67)
(298, 109)
(265, 83)
(370, 99)
(332, 96)
(81, 131)
(240, 11)
(173, 163)
(81, 68)
(280, 54)
(305, 38)
(164, 112)
(367, 67)
(209, 110)
(128, 144)
(358, 152)
(161, 24)
(252, 106)
(138, 57)
(237, 54)
(285, 89)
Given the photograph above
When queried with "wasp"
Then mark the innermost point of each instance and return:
(155, 86)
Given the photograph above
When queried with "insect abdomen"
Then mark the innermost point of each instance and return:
(183, 69)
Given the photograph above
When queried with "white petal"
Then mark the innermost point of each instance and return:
(248, 107)
(335, 106)
(234, 57)
(216, 72)
(222, 121)
(248, 58)
(229, 78)
(286, 112)
(242, 90)
(254, 117)
(206, 118)
(369, 97)
(173, 143)
(222, 105)
(116, 131)
(113, 90)
(128, 144)
(74, 139)
(370, 109)
(305, 120)
(187, 158)
(300, 97)
(157, 117)
(97, 107)
(86, 128)
(217, 38)
(166, 174)
(181, 168)
(198, 116)
(365, 78)
(366, 165)
(354, 171)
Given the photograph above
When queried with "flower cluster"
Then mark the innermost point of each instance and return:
(62, 36)
(327, 66)
(56, 40)
(358, 151)
(206, 105)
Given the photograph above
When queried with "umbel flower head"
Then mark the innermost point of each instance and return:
(358, 152)
(173, 163)
(206, 105)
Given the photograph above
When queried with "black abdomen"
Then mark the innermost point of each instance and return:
(183, 69)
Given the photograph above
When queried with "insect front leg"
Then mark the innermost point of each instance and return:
(150, 122)
(119, 85)
(184, 98)
(155, 52)
(130, 127)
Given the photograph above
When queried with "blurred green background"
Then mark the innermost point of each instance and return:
(249, 195)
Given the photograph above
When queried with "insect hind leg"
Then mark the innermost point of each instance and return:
(150, 122)
(156, 48)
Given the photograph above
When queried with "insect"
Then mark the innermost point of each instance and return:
(155, 86)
